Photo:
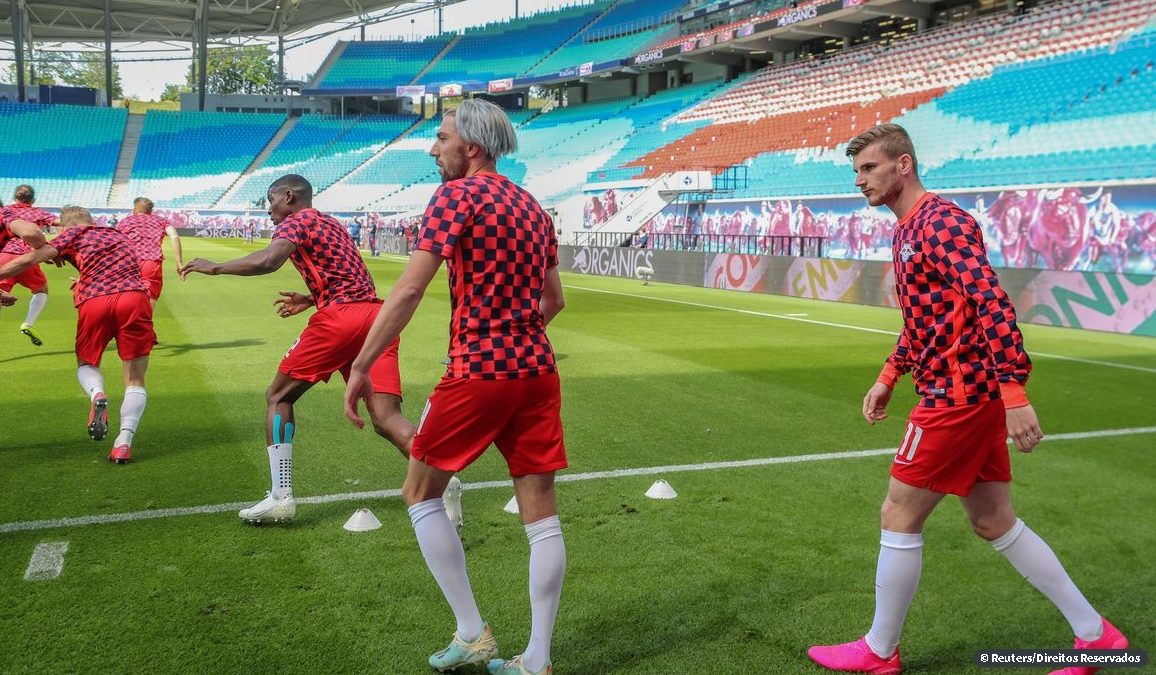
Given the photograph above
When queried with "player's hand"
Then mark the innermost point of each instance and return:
(291, 303)
(875, 403)
(1023, 427)
(198, 265)
(7, 299)
(357, 388)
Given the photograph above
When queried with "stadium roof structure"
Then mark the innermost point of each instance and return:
(177, 20)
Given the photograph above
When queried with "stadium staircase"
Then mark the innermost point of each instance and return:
(344, 185)
(576, 36)
(327, 64)
(128, 146)
(434, 61)
(648, 203)
(259, 160)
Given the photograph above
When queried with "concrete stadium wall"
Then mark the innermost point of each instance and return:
(1106, 301)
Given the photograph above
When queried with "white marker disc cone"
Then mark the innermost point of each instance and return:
(661, 490)
(511, 506)
(362, 520)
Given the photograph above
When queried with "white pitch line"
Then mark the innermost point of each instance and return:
(751, 312)
(863, 329)
(47, 561)
(132, 516)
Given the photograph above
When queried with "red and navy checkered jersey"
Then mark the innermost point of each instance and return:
(5, 233)
(498, 243)
(22, 211)
(327, 258)
(145, 233)
(104, 258)
(959, 338)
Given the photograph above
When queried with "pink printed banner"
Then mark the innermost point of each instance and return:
(736, 272)
(1119, 303)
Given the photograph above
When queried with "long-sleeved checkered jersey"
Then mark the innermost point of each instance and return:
(959, 339)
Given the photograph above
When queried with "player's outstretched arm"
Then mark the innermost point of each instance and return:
(267, 260)
(29, 232)
(176, 240)
(18, 265)
(291, 303)
(393, 316)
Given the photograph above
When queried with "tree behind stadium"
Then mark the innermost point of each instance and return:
(238, 70)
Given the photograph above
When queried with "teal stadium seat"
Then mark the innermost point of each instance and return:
(39, 145)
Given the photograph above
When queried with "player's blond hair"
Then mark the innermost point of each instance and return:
(893, 138)
(72, 216)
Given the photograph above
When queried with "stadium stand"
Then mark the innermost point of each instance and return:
(191, 158)
(323, 147)
(509, 48)
(1061, 91)
(622, 31)
(379, 65)
(40, 145)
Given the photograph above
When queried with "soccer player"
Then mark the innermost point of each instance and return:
(343, 293)
(111, 302)
(15, 228)
(146, 232)
(33, 277)
(501, 385)
(961, 344)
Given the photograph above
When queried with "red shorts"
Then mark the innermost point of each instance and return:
(32, 278)
(522, 417)
(951, 449)
(332, 340)
(154, 278)
(126, 316)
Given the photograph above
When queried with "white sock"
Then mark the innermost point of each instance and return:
(547, 568)
(1033, 558)
(131, 410)
(896, 578)
(35, 307)
(91, 381)
(446, 560)
(281, 468)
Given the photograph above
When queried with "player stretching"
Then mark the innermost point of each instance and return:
(343, 293)
(146, 232)
(501, 386)
(111, 302)
(16, 228)
(32, 278)
(966, 354)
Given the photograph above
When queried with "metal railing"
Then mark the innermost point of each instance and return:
(788, 245)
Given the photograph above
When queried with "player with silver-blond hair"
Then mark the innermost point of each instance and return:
(501, 385)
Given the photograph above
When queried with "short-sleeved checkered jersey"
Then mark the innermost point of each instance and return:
(5, 233)
(145, 233)
(104, 258)
(21, 211)
(327, 259)
(959, 338)
(498, 242)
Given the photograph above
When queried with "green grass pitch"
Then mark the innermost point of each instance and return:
(740, 574)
